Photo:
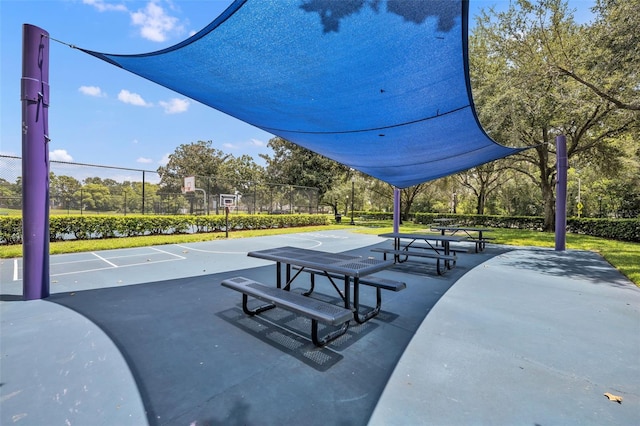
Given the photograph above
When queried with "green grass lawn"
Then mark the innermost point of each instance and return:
(624, 256)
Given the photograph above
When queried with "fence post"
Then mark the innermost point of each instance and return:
(35, 162)
(143, 200)
(291, 200)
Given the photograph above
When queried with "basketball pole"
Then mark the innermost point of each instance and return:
(35, 162)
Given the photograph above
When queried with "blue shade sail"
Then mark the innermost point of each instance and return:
(381, 86)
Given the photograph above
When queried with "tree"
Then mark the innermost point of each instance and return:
(523, 100)
(484, 180)
(131, 197)
(408, 196)
(194, 159)
(10, 194)
(96, 197)
(216, 172)
(294, 165)
(609, 66)
(63, 190)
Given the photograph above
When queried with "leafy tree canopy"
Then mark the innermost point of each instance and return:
(294, 165)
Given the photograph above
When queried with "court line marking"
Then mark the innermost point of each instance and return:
(209, 251)
(104, 260)
(72, 261)
(318, 244)
(179, 257)
(147, 254)
(16, 267)
(166, 252)
(110, 267)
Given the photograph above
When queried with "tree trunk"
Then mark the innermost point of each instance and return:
(549, 206)
(482, 199)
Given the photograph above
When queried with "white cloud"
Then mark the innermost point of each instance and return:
(92, 91)
(175, 106)
(229, 146)
(132, 98)
(60, 155)
(101, 6)
(257, 142)
(164, 160)
(155, 24)
(144, 160)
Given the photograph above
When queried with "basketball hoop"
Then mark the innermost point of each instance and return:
(228, 200)
(189, 184)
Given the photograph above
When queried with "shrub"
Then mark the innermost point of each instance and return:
(85, 227)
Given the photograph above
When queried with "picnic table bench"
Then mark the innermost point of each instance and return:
(352, 269)
(370, 280)
(480, 239)
(442, 222)
(418, 253)
(316, 310)
(428, 248)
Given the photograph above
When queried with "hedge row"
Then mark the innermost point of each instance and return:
(96, 227)
(515, 222)
(614, 229)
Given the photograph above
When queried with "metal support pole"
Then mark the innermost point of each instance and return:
(562, 165)
(35, 162)
(352, 198)
(396, 210)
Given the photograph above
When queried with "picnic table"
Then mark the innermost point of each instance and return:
(478, 237)
(422, 245)
(352, 270)
(444, 219)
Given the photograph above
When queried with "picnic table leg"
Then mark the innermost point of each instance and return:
(396, 246)
(278, 275)
(287, 276)
(362, 318)
(313, 285)
(447, 251)
(254, 311)
(347, 292)
(321, 341)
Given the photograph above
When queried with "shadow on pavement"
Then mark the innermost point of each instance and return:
(197, 359)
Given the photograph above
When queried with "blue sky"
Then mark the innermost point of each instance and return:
(100, 114)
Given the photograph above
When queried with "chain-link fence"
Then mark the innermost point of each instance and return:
(76, 188)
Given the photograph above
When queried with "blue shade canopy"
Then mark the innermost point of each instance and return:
(381, 86)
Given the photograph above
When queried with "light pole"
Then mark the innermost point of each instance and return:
(352, 197)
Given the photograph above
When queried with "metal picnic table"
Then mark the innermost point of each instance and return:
(351, 267)
(480, 240)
